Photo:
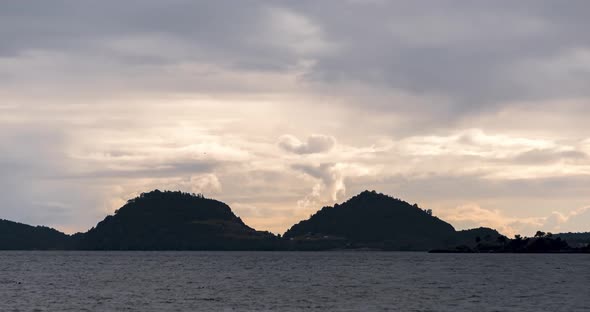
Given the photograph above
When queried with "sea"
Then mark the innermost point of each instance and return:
(292, 281)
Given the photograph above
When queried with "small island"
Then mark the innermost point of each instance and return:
(540, 243)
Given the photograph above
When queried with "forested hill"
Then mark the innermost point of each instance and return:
(175, 221)
(18, 236)
(165, 220)
(373, 220)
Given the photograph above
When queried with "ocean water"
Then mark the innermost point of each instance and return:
(292, 281)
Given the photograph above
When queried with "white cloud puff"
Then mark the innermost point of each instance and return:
(314, 144)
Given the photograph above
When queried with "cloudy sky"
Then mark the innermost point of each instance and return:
(479, 110)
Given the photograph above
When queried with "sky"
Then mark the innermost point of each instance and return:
(478, 110)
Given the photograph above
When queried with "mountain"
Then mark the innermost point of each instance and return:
(575, 239)
(481, 236)
(175, 221)
(180, 221)
(372, 220)
(18, 236)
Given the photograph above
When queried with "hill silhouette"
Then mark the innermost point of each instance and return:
(540, 243)
(174, 221)
(575, 239)
(18, 236)
(481, 236)
(180, 221)
(372, 220)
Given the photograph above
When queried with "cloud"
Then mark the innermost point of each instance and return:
(296, 32)
(205, 184)
(472, 215)
(549, 156)
(474, 142)
(314, 144)
(434, 103)
(464, 54)
(331, 181)
(574, 220)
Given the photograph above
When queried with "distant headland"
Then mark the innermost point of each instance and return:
(166, 220)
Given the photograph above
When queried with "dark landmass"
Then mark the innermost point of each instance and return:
(18, 236)
(373, 221)
(175, 221)
(369, 221)
(474, 237)
(153, 221)
(541, 243)
(575, 239)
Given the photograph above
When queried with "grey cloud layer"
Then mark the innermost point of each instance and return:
(313, 144)
(479, 55)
